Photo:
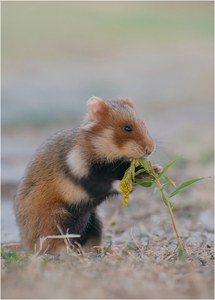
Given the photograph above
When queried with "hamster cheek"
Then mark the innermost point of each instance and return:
(132, 150)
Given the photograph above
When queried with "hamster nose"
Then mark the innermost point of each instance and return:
(149, 150)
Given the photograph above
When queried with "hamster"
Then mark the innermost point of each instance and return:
(74, 171)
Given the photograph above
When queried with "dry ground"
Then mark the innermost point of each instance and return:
(142, 261)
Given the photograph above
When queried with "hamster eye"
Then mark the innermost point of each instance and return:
(127, 128)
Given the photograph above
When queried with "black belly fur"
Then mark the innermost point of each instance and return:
(83, 218)
(85, 223)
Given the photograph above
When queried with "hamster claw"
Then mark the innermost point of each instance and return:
(157, 168)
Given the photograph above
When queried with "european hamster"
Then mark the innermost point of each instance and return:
(74, 171)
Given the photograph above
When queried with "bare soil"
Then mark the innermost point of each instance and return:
(139, 258)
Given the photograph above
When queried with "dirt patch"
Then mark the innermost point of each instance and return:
(142, 261)
(94, 276)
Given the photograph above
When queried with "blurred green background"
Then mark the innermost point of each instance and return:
(55, 55)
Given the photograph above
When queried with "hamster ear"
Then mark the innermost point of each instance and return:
(128, 102)
(96, 108)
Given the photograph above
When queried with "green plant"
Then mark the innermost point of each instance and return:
(12, 258)
(161, 180)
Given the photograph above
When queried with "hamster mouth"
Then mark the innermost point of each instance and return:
(144, 155)
(135, 151)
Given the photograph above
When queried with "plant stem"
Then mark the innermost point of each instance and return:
(148, 168)
(181, 248)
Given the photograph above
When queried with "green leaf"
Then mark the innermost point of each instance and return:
(145, 164)
(139, 172)
(162, 187)
(130, 172)
(169, 181)
(184, 185)
(132, 168)
(107, 246)
(170, 203)
(181, 252)
(167, 167)
(165, 196)
(145, 182)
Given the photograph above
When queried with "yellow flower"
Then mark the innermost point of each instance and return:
(126, 188)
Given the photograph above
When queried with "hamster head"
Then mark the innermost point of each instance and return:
(115, 130)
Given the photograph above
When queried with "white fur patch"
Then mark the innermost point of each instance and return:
(77, 164)
(71, 192)
(115, 186)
